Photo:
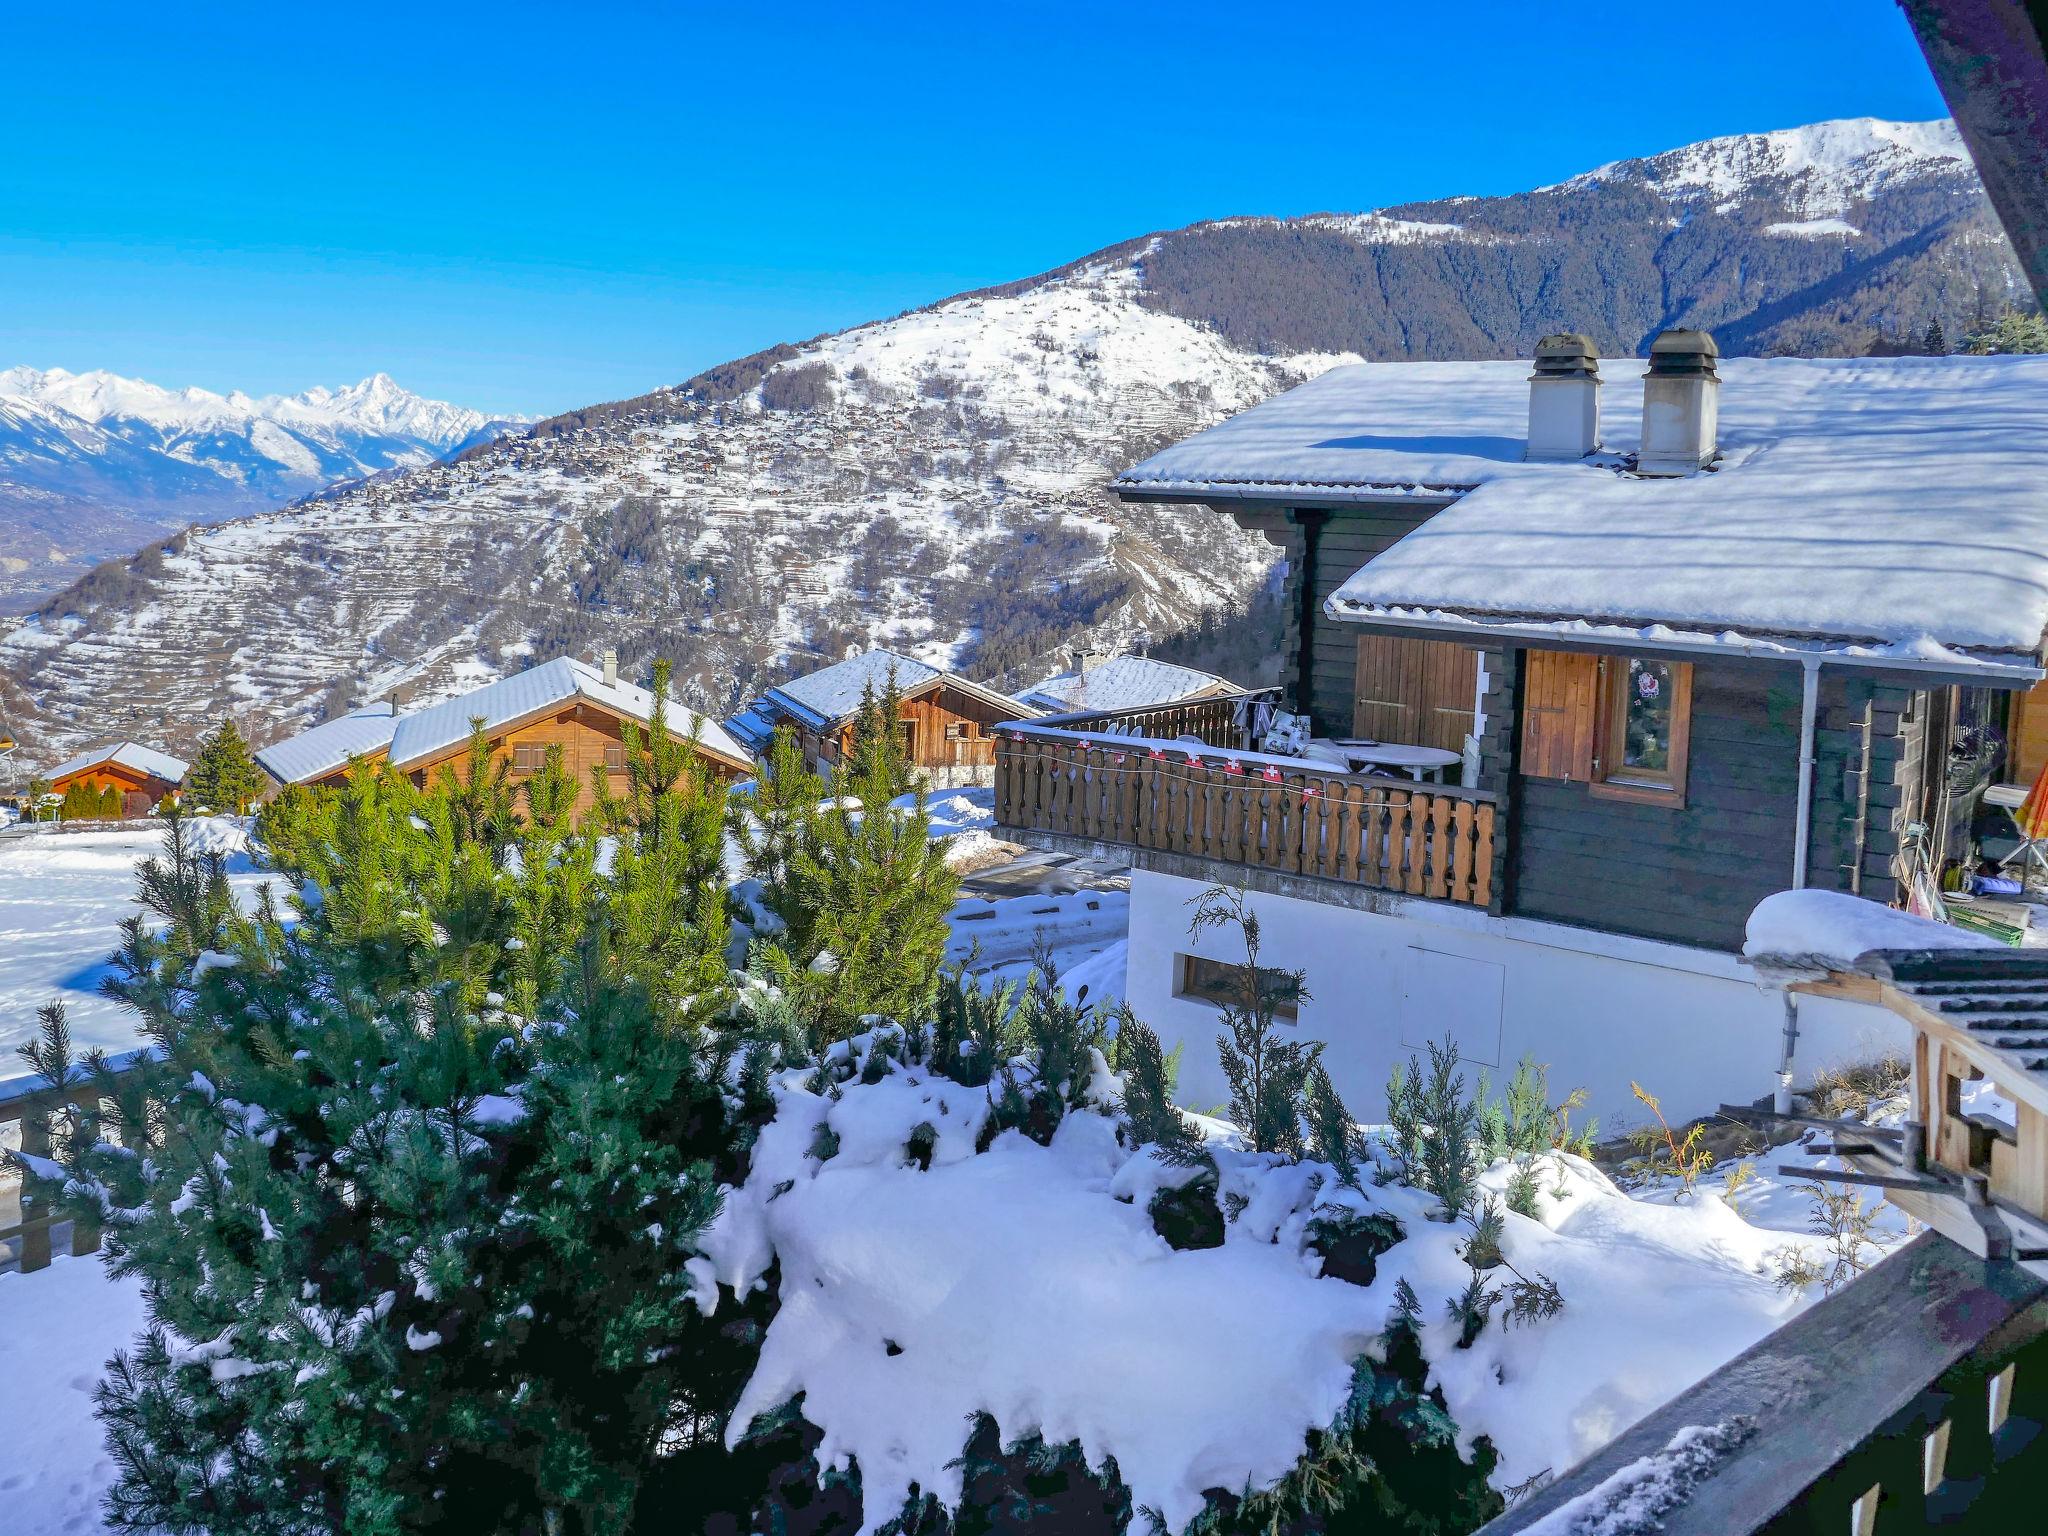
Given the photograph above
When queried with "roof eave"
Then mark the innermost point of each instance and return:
(1224, 496)
(2004, 667)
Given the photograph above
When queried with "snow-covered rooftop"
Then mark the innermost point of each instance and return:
(132, 755)
(831, 695)
(434, 730)
(324, 748)
(1123, 682)
(1871, 509)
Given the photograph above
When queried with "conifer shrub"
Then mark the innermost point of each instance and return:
(224, 777)
(1267, 1072)
(425, 1169)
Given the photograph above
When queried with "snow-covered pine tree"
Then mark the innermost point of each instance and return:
(665, 893)
(411, 1257)
(772, 824)
(224, 777)
(867, 893)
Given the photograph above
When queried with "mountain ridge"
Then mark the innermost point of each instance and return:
(94, 464)
(935, 481)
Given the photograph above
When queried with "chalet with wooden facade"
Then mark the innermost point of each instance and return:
(142, 776)
(566, 702)
(322, 755)
(1098, 684)
(947, 722)
(1750, 625)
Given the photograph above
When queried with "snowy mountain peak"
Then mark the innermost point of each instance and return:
(377, 407)
(1826, 166)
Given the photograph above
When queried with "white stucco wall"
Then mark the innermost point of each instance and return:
(1598, 1010)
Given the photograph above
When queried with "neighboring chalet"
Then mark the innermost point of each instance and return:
(322, 755)
(562, 702)
(1751, 625)
(142, 775)
(947, 721)
(1097, 682)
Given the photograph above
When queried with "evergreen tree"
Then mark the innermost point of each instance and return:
(1150, 1115)
(772, 825)
(866, 897)
(2021, 331)
(414, 1254)
(876, 755)
(1268, 1075)
(224, 777)
(38, 791)
(1932, 341)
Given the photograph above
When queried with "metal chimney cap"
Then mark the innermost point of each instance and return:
(1682, 352)
(1568, 354)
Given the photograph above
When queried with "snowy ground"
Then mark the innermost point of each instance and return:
(57, 1328)
(63, 896)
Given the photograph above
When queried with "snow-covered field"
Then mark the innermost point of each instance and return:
(63, 897)
(57, 1328)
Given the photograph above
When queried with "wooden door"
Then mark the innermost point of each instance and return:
(1420, 693)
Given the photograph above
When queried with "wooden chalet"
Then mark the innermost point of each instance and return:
(1753, 624)
(1097, 684)
(567, 702)
(141, 775)
(564, 702)
(948, 722)
(323, 754)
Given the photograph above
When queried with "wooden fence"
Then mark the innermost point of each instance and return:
(28, 1231)
(1423, 841)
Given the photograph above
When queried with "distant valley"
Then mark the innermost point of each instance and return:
(935, 481)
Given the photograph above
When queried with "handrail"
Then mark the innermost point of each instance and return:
(29, 1100)
(1212, 756)
(1249, 808)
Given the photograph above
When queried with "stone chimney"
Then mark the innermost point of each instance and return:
(1564, 399)
(611, 667)
(1087, 659)
(1681, 404)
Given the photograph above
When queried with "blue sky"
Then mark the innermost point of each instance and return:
(536, 207)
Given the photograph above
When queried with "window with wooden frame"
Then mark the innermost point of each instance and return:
(959, 730)
(615, 757)
(1218, 982)
(1619, 724)
(527, 757)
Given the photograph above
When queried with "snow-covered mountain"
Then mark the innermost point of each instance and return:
(93, 464)
(935, 481)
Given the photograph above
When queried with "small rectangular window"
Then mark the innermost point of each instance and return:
(1217, 982)
(1645, 727)
(615, 758)
(958, 730)
(527, 758)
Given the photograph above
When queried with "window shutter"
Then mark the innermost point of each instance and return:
(1560, 690)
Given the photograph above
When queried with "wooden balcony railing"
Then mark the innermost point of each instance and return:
(1421, 840)
(26, 1104)
(1213, 721)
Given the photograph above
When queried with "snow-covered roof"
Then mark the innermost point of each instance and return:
(306, 756)
(429, 732)
(131, 755)
(753, 727)
(1873, 510)
(831, 695)
(1123, 682)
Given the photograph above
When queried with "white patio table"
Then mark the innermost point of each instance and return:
(1419, 763)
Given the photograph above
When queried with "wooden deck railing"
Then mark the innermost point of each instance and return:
(1422, 840)
(26, 1103)
(1211, 720)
